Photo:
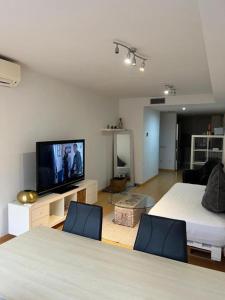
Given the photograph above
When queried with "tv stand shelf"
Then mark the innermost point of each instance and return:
(49, 210)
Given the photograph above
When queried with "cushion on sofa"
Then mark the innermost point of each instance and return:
(214, 197)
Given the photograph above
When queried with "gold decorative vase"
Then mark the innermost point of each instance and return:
(27, 196)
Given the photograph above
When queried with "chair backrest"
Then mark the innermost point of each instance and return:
(84, 219)
(162, 236)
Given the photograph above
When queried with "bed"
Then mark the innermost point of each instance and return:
(205, 229)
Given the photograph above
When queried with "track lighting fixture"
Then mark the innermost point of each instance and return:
(117, 50)
(169, 90)
(132, 52)
(127, 60)
(134, 62)
(142, 67)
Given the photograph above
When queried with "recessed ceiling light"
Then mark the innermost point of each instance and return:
(184, 108)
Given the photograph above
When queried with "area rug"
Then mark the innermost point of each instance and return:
(118, 233)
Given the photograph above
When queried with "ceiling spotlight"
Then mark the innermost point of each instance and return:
(127, 60)
(117, 50)
(166, 92)
(142, 67)
(134, 61)
(184, 108)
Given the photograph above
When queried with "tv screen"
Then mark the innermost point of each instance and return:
(59, 163)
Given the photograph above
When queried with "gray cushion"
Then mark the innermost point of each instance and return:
(214, 197)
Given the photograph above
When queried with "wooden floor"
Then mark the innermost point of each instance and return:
(6, 238)
(156, 188)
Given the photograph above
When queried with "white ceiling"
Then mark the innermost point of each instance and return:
(72, 40)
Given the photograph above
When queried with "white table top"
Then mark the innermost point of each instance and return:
(50, 264)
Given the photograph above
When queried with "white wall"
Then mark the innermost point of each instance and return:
(151, 143)
(41, 108)
(132, 114)
(167, 156)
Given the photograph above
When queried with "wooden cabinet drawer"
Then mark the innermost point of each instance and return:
(39, 212)
(40, 222)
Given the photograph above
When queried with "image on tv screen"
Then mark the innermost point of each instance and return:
(60, 163)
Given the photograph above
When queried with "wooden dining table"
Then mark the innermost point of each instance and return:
(47, 263)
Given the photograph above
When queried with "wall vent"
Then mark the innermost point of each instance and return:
(157, 101)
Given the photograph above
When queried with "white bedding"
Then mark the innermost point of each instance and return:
(183, 202)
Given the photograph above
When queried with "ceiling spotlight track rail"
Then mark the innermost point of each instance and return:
(132, 55)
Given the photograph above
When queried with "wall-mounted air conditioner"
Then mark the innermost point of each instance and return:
(10, 73)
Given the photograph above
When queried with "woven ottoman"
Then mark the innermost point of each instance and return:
(128, 210)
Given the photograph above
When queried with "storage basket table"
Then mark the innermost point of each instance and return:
(129, 209)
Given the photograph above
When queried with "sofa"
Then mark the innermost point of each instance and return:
(201, 175)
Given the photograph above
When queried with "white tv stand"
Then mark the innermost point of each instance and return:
(49, 210)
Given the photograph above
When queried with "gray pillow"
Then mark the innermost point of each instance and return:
(214, 197)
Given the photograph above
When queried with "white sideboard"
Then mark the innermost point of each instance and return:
(49, 210)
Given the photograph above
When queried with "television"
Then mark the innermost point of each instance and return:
(59, 164)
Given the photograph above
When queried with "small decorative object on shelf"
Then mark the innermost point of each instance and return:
(120, 123)
(27, 196)
(108, 126)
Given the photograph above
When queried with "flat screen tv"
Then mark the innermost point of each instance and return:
(59, 165)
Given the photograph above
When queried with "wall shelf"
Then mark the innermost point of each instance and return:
(106, 130)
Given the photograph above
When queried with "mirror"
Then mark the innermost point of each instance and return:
(123, 155)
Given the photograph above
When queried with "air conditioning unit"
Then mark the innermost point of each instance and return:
(10, 73)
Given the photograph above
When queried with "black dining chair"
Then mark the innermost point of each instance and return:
(163, 237)
(84, 219)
